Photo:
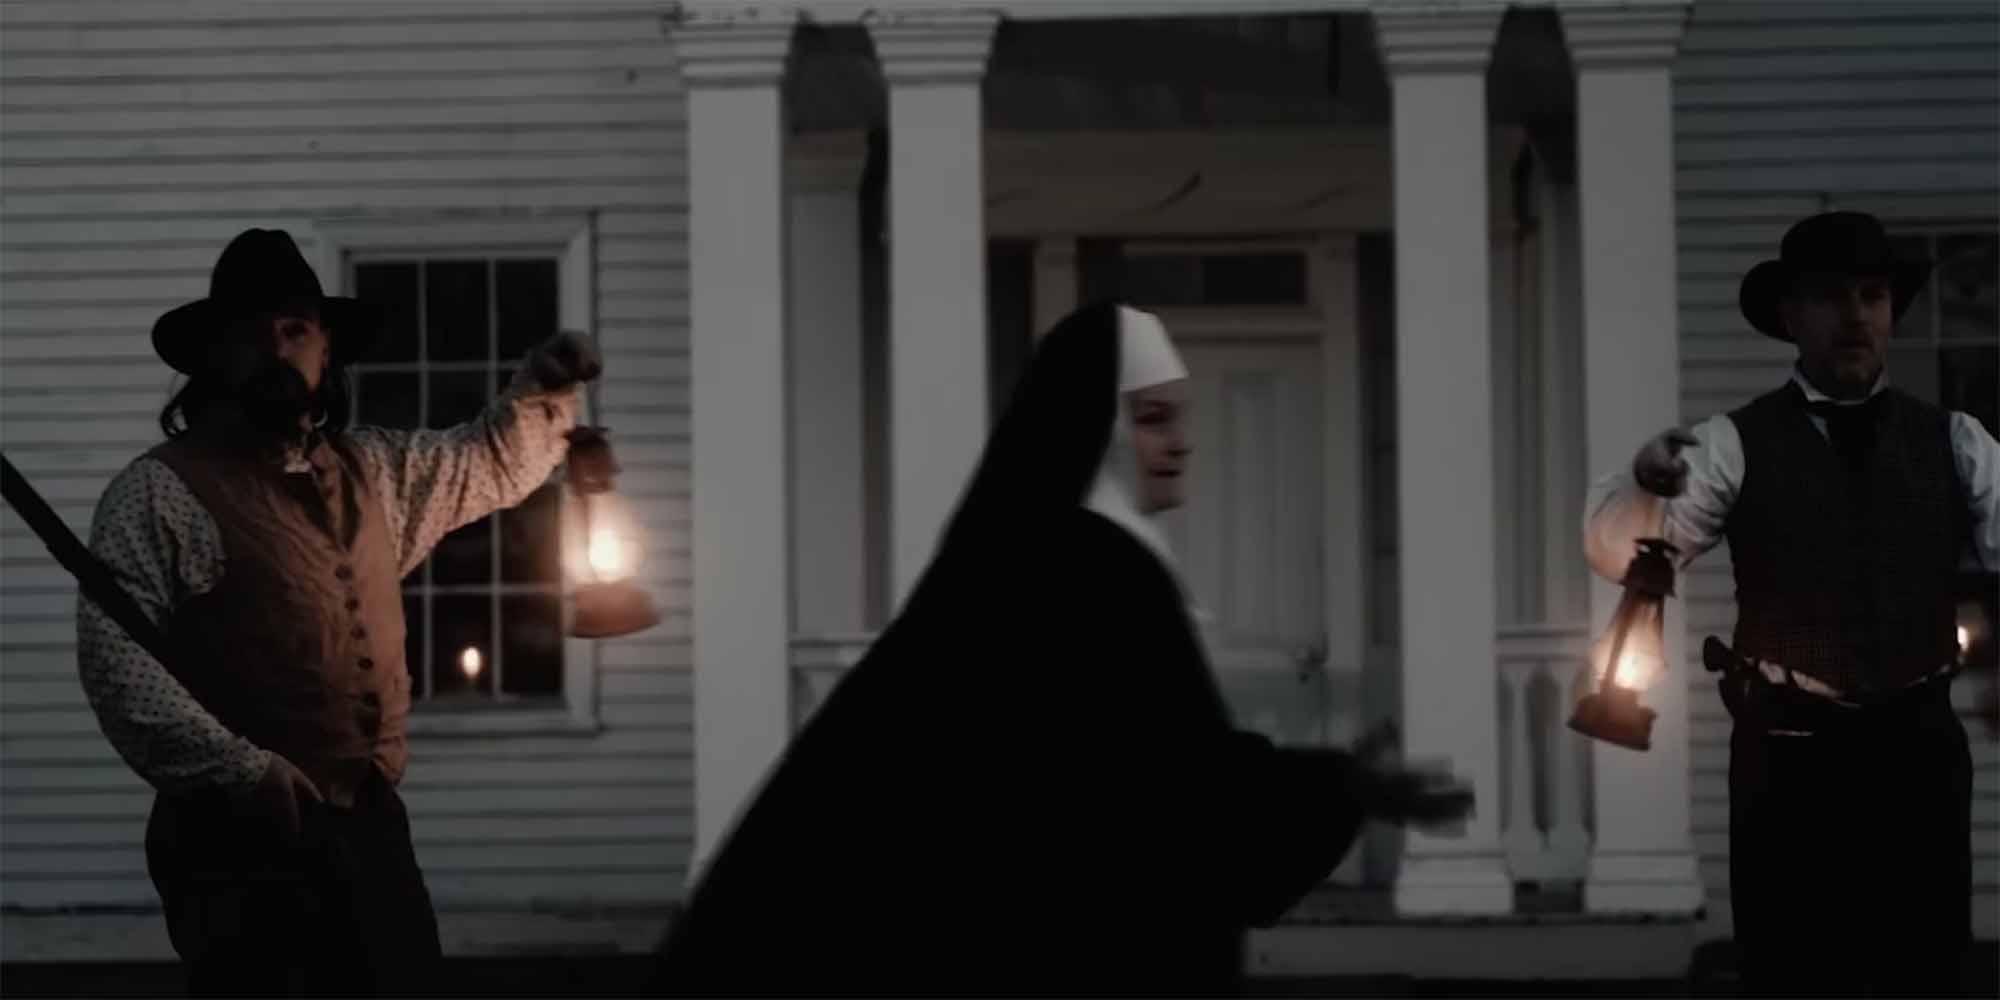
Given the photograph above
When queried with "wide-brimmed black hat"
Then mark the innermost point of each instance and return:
(261, 270)
(1847, 243)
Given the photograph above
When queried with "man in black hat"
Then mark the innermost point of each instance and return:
(1850, 509)
(269, 541)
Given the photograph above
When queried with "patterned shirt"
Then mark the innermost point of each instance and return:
(163, 548)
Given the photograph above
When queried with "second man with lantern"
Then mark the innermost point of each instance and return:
(1852, 510)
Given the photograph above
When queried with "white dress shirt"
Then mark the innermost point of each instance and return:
(1619, 512)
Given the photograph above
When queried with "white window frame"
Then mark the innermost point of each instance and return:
(1931, 343)
(570, 239)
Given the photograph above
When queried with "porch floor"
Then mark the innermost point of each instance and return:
(1538, 904)
(1710, 975)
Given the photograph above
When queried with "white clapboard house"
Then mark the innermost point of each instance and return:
(1432, 265)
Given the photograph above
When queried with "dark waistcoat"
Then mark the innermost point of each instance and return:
(1845, 562)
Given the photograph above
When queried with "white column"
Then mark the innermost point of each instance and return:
(736, 280)
(829, 579)
(1055, 282)
(1643, 858)
(937, 274)
(1437, 65)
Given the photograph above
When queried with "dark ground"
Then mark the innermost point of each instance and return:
(598, 975)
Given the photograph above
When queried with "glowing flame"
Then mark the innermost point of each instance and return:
(1631, 672)
(607, 554)
(1964, 639)
(470, 662)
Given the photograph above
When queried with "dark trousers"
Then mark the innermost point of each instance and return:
(341, 910)
(1850, 862)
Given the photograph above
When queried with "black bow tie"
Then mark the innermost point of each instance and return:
(1849, 426)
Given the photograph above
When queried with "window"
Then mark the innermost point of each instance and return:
(1947, 348)
(1161, 277)
(467, 295)
(485, 612)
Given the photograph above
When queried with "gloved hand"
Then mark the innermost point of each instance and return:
(1659, 468)
(564, 360)
(1427, 798)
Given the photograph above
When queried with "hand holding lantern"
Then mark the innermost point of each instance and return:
(1631, 653)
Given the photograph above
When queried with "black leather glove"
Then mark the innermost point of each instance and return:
(564, 360)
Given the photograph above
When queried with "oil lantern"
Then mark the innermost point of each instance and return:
(609, 600)
(1631, 653)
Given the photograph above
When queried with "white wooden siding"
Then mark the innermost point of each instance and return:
(1784, 109)
(135, 140)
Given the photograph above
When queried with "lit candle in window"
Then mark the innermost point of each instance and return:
(470, 662)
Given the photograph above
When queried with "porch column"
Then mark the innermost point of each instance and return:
(1643, 858)
(828, 519)
(937, 274)
(736, 280)
(1437, 67)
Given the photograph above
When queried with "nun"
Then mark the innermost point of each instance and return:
(1030, 783)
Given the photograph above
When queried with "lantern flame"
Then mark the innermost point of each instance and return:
(1964, 639)
(607, 553)
(1631, 673)
(470, 662)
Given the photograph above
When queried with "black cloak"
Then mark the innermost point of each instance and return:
(1030, 784)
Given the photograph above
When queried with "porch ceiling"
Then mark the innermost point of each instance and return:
(1169, 73)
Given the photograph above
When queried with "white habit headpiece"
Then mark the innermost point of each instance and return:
(1146, 358)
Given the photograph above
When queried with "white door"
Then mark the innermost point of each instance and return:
(1250, 536)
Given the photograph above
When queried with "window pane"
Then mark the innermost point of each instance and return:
(525, 293)
(1254, 279)
(464, 557)
(386, 399)
(531, 632)
(461, 623)
(456, 397)
(529, 539)
(455, 301)
(1970, 378)
(1918, 318)
(1161, 280)
(393, 286)
(1968, 288)
(413, 642)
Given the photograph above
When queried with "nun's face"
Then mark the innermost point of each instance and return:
(1160, 436)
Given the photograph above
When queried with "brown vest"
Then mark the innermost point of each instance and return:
(300, 647)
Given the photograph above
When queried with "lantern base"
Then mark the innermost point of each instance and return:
(605, 610)
(1615, 716)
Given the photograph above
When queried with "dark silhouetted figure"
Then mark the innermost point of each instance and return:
(1030, 784)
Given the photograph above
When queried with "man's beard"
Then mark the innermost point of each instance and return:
(276, 400)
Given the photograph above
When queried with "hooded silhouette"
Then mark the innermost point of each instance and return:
(1030, 783)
